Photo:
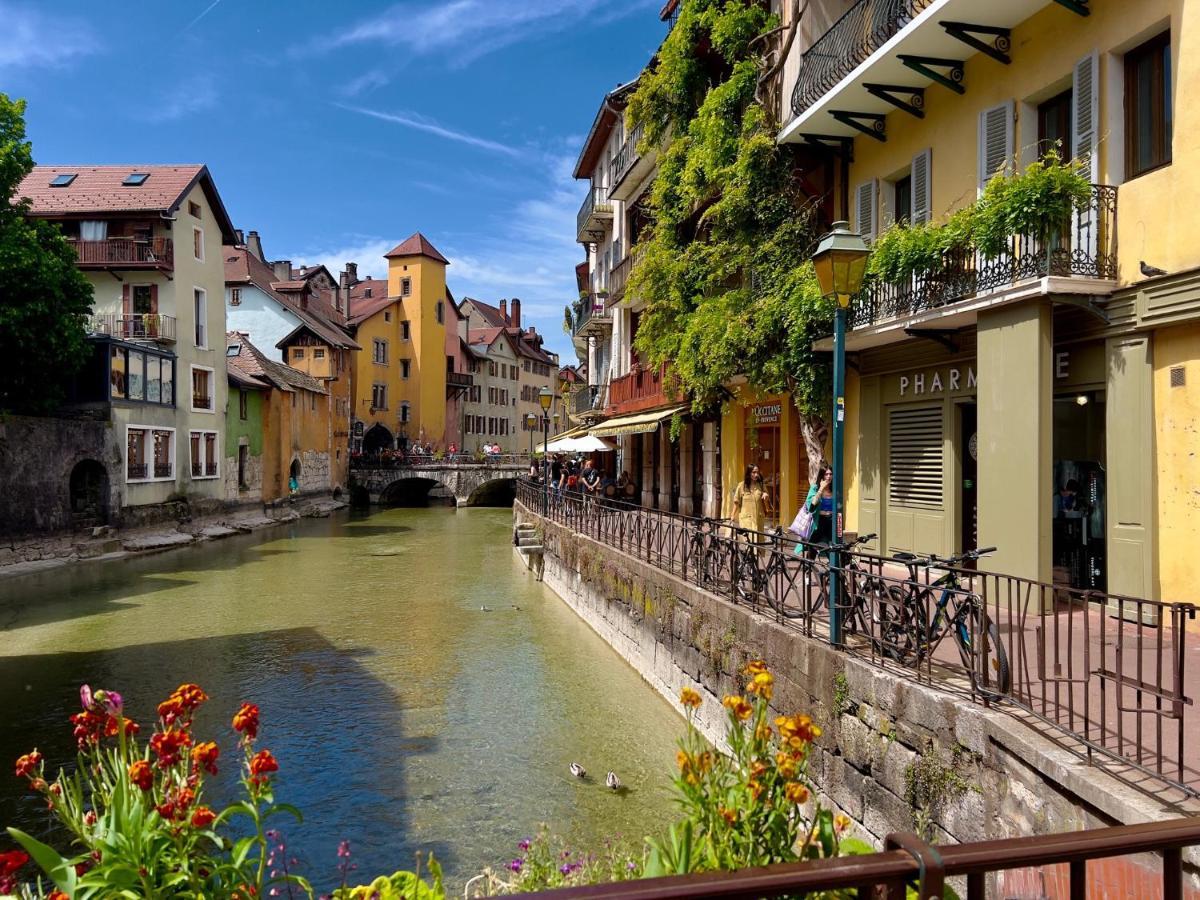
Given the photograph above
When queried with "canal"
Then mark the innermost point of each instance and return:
(405, 717)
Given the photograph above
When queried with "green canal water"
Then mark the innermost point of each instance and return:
(405, 717)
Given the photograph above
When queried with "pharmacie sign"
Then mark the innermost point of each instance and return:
(937, 381)
(766, 413)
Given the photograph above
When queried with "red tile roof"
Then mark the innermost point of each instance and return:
(98, 190)
(417, 245)
(377, 286)
(289, 285)
(251, 363)
(363, 308)
(491, 314)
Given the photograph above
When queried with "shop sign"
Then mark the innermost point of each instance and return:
(766, 413)
(925, 383)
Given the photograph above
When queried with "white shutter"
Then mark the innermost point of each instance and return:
(915, 457)
(995, 140)
(864, 203)
(1085, 114)
(922, 197)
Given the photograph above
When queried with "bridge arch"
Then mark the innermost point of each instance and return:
(493, 492)
(416, 490)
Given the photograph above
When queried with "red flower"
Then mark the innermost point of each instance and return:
(167, 746)
(10, 862)
(142, 775)
(261, 765)
(245, 720)
(190, 696)
(203, 817)
(89, 817)
(28, 764)
(58, 895)
(170, 710)
(89, 727)
(204, 756)
(166, 809)
(186, 796)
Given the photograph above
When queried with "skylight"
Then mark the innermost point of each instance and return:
(233, 350)
(135, 179)
(63, 180)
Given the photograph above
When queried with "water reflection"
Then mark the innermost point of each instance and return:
(405, 718)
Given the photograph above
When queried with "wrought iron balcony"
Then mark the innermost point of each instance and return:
(587, 399)
(594, 214)
(139, 327)
(1085, 248)
(592, 317)
(619, 276)
(125, 253)
(864, 28)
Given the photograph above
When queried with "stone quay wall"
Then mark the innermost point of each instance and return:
(895, 755)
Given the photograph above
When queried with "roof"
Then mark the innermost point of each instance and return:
(491, 314)
(417, 245)
(99, 189)
(377, 286)
(289, 285)
(243, 267)
(363, 308)
(251, 363)
(602, 126)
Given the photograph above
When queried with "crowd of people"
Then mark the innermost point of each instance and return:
(580, 477)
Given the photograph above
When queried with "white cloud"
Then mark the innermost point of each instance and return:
(365, 250)
(423, 123)
(32, 39)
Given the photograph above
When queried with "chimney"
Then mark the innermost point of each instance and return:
(504, 311)
(239, 239)
(352, 271)
(283, 269)
(254, 245)
(516, 313)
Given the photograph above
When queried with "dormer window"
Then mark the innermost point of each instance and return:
(367, 293)
(135, 179)
(63, 180)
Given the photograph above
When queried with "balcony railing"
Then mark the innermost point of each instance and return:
(1085, 248)
(140, 327)
(865, 27)
(162, 470)
(596, 207)
(135, 471)
(626, 156)
(120, 252)
(202, 401)
(587, 399)
(619, 276)
(639, 390)
(459, 379)
(591, 314)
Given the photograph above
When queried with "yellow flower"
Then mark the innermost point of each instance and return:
(755, 668)
(762, 685)
(681, 757)
(762, 732)
(704, 761)
(729, 815)
(739, 706)
(841, 823)
(795, 792)
(786, 765)
(689, 698)
(757, 768)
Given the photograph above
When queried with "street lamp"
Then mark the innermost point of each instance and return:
(530, 425)
(840, 262)
(546, 398)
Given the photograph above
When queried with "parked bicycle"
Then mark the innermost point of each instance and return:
(860, 588)
(914, 618)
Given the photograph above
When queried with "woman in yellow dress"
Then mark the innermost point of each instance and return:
(751, 504)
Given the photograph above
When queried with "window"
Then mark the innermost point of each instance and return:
(200, 311)
(243, 404)
(136, 382)
(318, 353)
(297, 353)
(193, 209)
(135, 179)
(1054, 125)
(135, 455)
(93, 230)
(405, 287)
(404, 412)
(864, 204)
(198, 243)
(1148, 106)
(441, 312)
(379, 396)
(492, 368)
(204, 454)
(164, 453)
(404, 330)
(903, 199)
(63, 180)
(202, 389)
(380, 351)
(526, 365)
(995, 141)
(235, 296)
(404, 364)
(387, 315)
(150, 453)
(367, 293)
(312, 402)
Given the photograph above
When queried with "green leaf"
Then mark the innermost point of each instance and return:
(58, 869)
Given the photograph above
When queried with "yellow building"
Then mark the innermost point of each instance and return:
(399, 383)
(1042, 401)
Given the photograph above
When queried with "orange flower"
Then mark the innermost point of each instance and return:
(57, 895)
(245, 720)
(190, 696)
(754, 667)
(795, 792)
(203, 817)
(757, 768)
(682, 758)
(739, 706)
(262, 764)
(142, 775)
(170, 710)
(204, 756)
(840, 823)
(689, 698)
(186, 796)
(797, 730)
(166, 810)
(27, 765)
(729, 815)
(786, 765)
(761, 685)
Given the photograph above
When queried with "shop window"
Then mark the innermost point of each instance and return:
(1148, 106)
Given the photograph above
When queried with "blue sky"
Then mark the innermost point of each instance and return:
(338, 129)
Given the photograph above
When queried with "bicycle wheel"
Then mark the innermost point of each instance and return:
(997, 658)
(900, 627)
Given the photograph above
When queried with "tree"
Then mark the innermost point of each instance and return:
(724, 265)
(44, 299)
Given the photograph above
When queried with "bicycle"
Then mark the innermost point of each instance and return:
(858, 586)
(911, 636)
(704, 552)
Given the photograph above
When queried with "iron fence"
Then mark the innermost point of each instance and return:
(397, 460)
(1085, 246)
(1106, 674)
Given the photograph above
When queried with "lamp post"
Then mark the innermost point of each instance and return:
(546, 398)
(841, 263)
(530, 425)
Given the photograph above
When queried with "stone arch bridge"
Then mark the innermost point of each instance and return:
(466, 483)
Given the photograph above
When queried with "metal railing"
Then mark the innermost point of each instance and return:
(139, 327)
(908, 861)
(620, 276)
(620, 164)
(156, 252)
(591, 310)
(394, 459)
(1084, 247)
(1107, 674)
(136, 470)
(864, 28)
(587, 399)
(595, 203)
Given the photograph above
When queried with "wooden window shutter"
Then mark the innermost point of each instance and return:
(1085, 114)
(915, 457)
(864, 204)
(922, 188)
(154, 298)
(995, 140)
(126, 301)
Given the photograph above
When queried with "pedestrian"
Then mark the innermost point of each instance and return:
(751, 505)
(819, 502)
(591, 482)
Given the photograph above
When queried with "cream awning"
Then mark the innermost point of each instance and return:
(642, 423)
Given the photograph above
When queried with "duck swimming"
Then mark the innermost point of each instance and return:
(577, 770)
(612, 781)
